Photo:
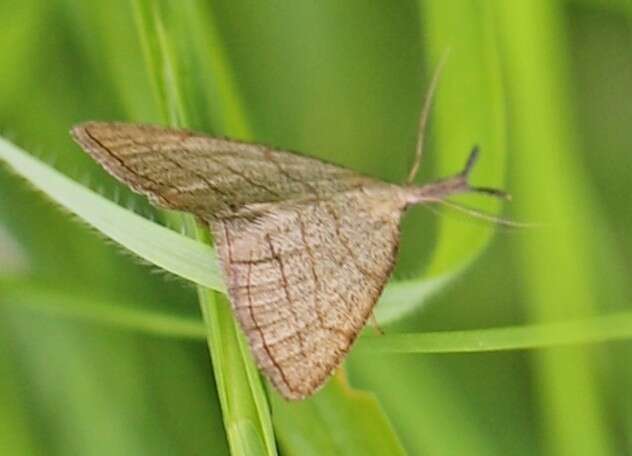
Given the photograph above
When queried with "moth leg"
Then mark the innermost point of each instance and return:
(374, 324)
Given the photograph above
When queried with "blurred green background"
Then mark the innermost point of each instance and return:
(543, 86)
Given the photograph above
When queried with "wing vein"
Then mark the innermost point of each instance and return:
(264, 344)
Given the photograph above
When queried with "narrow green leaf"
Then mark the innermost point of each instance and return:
(172, 89)
(605, 328)
(100, 310)
(158, 245)
(214, 82)
(240, 389)
(426, 407)
(242, 396)
(402, 297)
(145, 25)
(559, 262)
(17, 436)
(339, 420)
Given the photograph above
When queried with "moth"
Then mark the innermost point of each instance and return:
(305, 246)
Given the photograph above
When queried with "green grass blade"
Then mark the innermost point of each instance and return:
(214, 80)
(340, 420)
(158, 245)
(95, 309)
(146, 27)
(65, 304)
(607, 328)
(245, 415)
(16, 433)
(559, 260)
(402, 297)
(240, 389)
(242, 396)
(430, 410)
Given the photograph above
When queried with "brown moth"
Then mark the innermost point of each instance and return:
(305, 246)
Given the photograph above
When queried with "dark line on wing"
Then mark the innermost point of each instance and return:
(312, 261)
(156, 196)
(287, 175)
(121, 162)
(345, 243)
(288, 253)
(229, 247)
(202, 177)
(346, 307)
(255, 305)
(262, 335)
(266, 285)
(348, 337)
(287, 291)
(244, 177)
(272, 323)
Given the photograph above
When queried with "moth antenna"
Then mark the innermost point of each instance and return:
(484, 216)
(423, 117)
(471, 161)
(465, 174)
(456, 184)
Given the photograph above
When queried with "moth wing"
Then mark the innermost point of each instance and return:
(303, 279)
(182, 170)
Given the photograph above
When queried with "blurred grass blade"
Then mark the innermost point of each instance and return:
(605, 328)
(402, 297)
(12, 259)
(17, 435)
(244, 406)
(242, 396)
(425, 406)
(95, 309)
(172, 83)
(219, 102)
(330, 419)
(146, 27)
(158, 245)
(100, 310)
(559, 262)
